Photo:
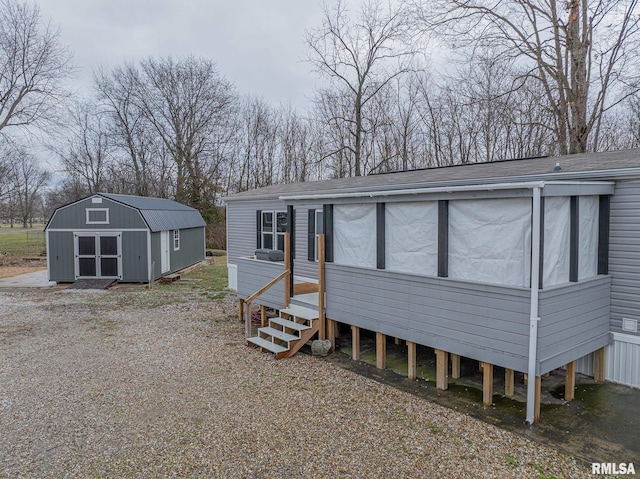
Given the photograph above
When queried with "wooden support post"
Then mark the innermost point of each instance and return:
(263, 315)
(411, 358)
(599, 370)
(487, 384)
(526, 379)
(288, 279)
(381, 351)
(570, 381)
(240, 310)
(321, 316)
(509, 383)
(331, 333)
(536, 409)
(247, 320)
(396, 341)
(442, 365)
(355, 343)
(455, 366)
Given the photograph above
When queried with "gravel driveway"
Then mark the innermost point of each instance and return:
(160, 384)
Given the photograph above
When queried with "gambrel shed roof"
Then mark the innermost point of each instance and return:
(159, 214)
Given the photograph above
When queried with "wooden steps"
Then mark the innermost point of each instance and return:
(170, 278)
(286, 334)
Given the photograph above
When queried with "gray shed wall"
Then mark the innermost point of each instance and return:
(134, 257)
(62, 260)
(624, 254)
(192, 247)
(241, 233)
(60, 256)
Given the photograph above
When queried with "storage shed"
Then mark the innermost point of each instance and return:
(529, 265)
(132, 239)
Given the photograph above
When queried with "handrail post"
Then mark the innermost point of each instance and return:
(287, 267)
(247, 319)
(321, 317)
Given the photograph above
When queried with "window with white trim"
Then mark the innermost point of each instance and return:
(176, 240)
(272, 232)
(97, 216)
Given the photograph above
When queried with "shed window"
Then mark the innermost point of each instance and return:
(97, 216)
(272, 235)
(176, 240)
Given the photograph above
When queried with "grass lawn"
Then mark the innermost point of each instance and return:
(21, 242)
(213, 275)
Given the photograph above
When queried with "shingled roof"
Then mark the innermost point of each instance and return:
(581, 166)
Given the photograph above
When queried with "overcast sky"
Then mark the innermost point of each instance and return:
(256, 44)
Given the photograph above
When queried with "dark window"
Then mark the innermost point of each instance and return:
(109, 266)
(108, 245)
(87, 266)
(86, 245)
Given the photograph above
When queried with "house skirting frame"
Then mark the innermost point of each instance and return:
(622, 361)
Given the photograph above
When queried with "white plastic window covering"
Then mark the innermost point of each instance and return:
(490, 241)
(412, 237)
(557, 217)
(588, 213)
(354, 235)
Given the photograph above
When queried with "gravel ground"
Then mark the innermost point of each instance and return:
(160, 384)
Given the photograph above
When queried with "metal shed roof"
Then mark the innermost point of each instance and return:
(161, 214)
(612, 164)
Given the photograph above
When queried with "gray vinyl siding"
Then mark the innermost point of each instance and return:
(191, 248)
(574, 321)
(483, 322)
(61, 256)
(241, 226)
(624, 254)
(134, 256)
(253, 275)
(74, 216)
(241, 233)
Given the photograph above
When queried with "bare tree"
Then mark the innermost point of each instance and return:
(187, 101)
(583, 53)
(131, 132)
(28, 179)
(84, 148)
(361, 55)
(33, 66)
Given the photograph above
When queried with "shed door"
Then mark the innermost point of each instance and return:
(98, 255)
(165, 254)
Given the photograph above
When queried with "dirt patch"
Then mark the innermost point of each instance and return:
(11, 265)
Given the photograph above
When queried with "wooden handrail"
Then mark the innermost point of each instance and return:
(266, 286)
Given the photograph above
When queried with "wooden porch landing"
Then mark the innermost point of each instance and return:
(308, 300)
